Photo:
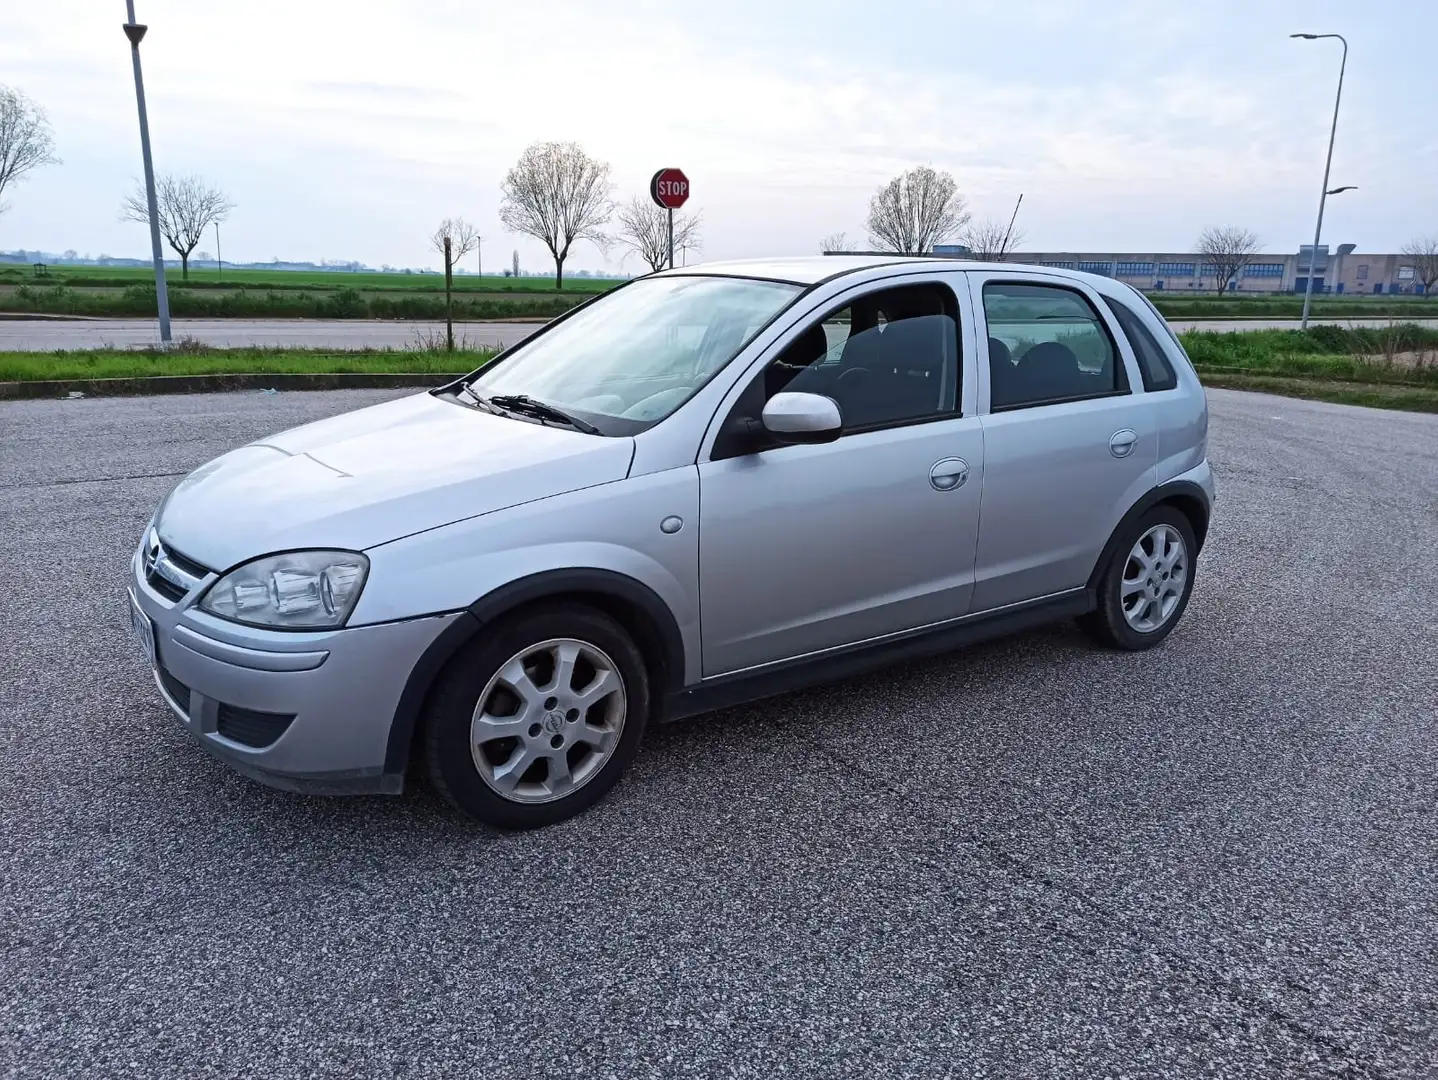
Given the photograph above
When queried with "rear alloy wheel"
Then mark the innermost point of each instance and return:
(1145, 588)
(537, 719)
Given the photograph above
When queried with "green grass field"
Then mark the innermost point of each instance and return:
(207, 277)
(129, 292)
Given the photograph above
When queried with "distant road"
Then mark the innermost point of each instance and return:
(52, 334)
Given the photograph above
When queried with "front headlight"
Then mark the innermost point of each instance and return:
(299, 590)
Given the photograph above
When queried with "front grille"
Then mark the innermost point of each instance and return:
(165, 587)
(188, 565)
(163, 565)
(251, 727)
(175, 688)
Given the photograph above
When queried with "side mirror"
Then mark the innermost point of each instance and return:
(802, 418)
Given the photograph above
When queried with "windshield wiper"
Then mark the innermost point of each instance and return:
(478, 399)
(541, 410)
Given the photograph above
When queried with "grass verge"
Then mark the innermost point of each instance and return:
(1374, 396)
(116, 364)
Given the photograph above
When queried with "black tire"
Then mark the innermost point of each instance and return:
(1107, 624)
(452, 702)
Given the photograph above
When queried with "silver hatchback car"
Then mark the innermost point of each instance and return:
(706, 486)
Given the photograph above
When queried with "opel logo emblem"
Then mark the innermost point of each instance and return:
(554, 722)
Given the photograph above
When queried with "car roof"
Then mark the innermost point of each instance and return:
(813, 269)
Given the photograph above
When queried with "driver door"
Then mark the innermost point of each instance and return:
(806, 548)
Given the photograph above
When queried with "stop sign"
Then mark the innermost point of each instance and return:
(669, 188)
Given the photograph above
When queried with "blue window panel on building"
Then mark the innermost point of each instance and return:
(1096, 267)
(1263, 270)
(1135, 269)
(1177, 269)
(1059, 265)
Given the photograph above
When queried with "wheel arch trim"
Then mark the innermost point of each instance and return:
(1183, 493)
(665, 641)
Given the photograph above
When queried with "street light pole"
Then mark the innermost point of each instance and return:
(136, 33)
(1323, 196)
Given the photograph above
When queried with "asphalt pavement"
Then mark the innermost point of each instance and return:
(1028, 859)
(48, 335)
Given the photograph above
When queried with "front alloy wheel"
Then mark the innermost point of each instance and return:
(537, 718)
(547, 721)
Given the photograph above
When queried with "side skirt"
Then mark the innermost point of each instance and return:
(724, 691)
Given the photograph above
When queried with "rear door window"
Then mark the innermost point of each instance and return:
(1047, 344)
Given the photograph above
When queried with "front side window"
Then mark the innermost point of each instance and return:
(888, 357)
(630, 358)
(1046, 344)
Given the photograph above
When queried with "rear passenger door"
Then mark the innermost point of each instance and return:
(1068, 445)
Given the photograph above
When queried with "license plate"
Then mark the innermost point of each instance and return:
(143, 629)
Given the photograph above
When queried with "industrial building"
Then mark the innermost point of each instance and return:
(1346, 270)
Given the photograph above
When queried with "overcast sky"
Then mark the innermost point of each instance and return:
(345, 129)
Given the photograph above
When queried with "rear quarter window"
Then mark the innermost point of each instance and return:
(1153, 364)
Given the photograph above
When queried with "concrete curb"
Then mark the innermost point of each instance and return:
(41, 316)
(211, 384)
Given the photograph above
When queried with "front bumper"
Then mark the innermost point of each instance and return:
(299, 711)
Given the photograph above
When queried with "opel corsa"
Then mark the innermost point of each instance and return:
(702, 487)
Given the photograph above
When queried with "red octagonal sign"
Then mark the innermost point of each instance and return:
(669, 188)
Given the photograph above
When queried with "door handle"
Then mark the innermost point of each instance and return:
(1121, 444)
(949, 474)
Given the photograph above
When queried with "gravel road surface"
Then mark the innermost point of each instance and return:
(53, 334)
(1029, 859)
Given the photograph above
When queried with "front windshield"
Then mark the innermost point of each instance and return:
(640, 352)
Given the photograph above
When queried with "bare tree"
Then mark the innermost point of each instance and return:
(25, 139)
(990, 239)
(558, 194)
(454, 239)
(1228, 250)
(1424, 254)
(187, 206)
(916, 210)
(835, 241)
(644, 230)
(462, 236)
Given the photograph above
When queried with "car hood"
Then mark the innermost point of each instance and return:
(374, 475)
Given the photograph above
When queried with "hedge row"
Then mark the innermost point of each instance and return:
(139, 301)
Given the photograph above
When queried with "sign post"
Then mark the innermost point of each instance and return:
(669, 188)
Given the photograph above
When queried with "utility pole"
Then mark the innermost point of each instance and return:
(479, 255)
(219, 259)
(1323, 196)
(1004, 250)
(136, 33)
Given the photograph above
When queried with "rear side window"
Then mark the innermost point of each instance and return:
(1157, 372)
(1046, 345)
